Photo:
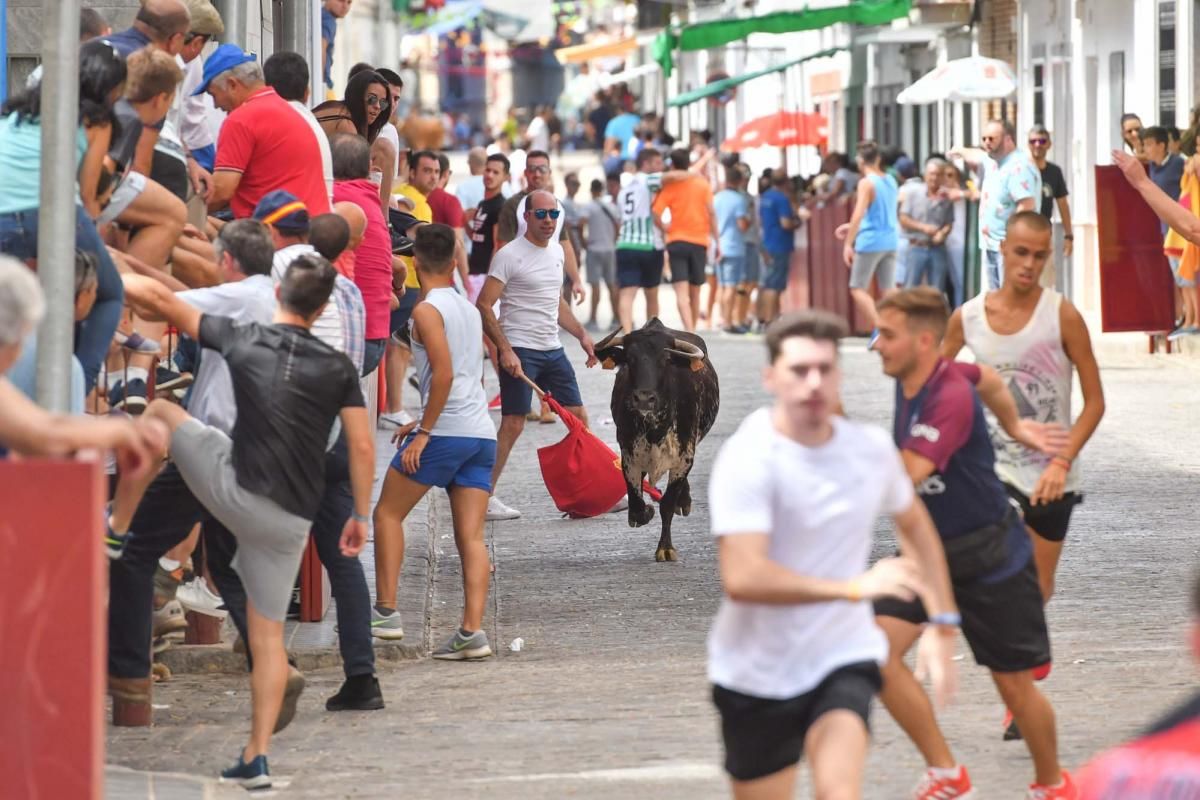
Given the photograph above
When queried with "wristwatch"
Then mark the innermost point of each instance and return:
(947, 618)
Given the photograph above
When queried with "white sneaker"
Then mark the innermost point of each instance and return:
(497, 510)
(196, 596)
(398, 419)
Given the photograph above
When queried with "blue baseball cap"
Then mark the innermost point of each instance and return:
(224, 58)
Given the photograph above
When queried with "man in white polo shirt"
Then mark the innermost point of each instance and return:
(794, 653)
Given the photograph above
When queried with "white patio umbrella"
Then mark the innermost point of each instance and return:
(962, 80)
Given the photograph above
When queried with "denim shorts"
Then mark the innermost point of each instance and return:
(447, 461)
(731, 270)
(775, 278)
(551, 370)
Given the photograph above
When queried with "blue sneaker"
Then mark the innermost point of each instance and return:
(130, 399)
(114, 543)
(254, 775)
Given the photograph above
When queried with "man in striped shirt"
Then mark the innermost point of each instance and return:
(640, 241)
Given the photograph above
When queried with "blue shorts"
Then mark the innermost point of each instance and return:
(731, 270)
(753, 262)
(551, 370)
(778, 267)
(452, 461)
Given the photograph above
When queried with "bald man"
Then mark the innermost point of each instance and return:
(526, 277)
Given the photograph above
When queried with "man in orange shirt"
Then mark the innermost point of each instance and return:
(693, 225)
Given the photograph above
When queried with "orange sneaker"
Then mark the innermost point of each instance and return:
(936, 785)
(1065, 790)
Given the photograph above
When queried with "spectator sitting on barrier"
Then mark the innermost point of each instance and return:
(27, 429)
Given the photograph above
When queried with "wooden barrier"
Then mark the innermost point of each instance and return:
(53, 679)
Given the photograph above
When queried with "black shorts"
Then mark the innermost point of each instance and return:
(688, 262)
(639, 268)
(763, 736)
(171, 173)
(1003, 622)
(1047, 520)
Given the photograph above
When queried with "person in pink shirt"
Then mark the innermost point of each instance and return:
(376, 270)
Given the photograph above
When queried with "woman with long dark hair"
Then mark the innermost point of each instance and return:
(102, 75)
(363, 110)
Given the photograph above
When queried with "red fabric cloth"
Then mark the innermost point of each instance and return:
(446, 208)
(582, 473)
(273, 148)
(373, 256)
(345, 264)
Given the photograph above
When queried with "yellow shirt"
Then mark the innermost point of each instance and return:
(421, 211)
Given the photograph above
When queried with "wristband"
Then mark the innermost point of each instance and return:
(419, 430)
(853, 592)
(950, 618)
(359, 518)
(1069, 237)
(1062, 461)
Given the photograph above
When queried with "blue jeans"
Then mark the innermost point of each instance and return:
(19, 238)
(995, 268)
(927, 265)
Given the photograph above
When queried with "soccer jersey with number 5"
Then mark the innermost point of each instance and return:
(635, 201)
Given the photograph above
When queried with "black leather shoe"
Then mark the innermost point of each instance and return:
(358, 693)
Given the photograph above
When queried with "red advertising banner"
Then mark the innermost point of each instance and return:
(1136, 287)
(51, 569)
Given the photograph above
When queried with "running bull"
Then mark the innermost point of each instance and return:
(664, 402)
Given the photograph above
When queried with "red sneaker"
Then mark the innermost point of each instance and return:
(1042, 672)
(1065, 790)
(935, 786)
(494, 403)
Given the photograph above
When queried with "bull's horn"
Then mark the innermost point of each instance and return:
(686, 349)
(614, 339)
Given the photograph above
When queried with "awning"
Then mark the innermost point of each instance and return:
(716, 87)
(611, 79)
(705, 35)
(618, 48)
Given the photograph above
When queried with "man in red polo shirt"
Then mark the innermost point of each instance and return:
(263, 145)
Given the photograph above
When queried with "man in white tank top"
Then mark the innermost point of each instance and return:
(453, 446)
(1034, 337)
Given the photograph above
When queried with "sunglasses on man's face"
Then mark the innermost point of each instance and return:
(542, 213)
(538, 170)
(1039, 142)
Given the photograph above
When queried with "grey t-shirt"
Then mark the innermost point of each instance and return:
(921, 207)
(602, 220)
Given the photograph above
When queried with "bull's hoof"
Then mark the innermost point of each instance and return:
(684, 509)
(638, 519)
(665, 554)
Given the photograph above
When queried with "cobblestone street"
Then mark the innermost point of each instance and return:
(608, 699)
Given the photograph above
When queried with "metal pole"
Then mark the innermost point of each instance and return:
(56, 223)
(233, 14)
(297, 33)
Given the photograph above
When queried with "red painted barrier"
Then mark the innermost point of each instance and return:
(51, 678)
(819, 277)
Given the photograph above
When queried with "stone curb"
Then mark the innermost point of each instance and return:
(208, 659)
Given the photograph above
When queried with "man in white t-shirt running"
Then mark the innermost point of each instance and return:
(794, 652)
(526, 277)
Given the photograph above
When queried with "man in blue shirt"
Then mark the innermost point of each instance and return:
(733, 220)
(779, 222)
(943, 438)
(331, 12)
(619, 131)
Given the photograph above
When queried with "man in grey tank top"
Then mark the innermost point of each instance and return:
(453, 446)
(1034, 338)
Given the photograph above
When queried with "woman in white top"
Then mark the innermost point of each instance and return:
(453, 446)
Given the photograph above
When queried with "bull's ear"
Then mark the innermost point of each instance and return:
(611, 357)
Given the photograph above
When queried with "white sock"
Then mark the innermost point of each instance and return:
(136, 373)
(168, 564)
(946, 772)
